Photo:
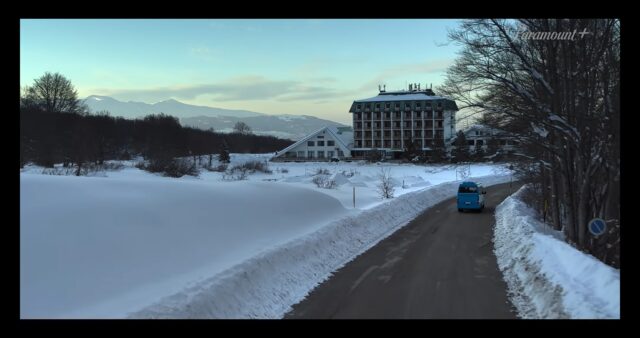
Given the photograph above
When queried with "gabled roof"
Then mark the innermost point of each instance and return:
(343, 135)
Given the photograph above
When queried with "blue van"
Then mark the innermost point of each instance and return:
(471, 196)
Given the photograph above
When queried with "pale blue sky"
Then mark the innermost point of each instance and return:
(312, 67)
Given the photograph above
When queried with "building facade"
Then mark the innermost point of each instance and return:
(389, 121)
(479, 135)
(324, 144)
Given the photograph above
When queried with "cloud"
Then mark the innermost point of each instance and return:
(203, 53)
(236, 89)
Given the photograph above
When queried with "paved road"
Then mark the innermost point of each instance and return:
(441, 265)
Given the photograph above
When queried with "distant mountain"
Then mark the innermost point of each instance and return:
(178, 109)
(284, 126)
(292, 127)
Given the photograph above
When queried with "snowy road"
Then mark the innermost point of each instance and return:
(441, 265)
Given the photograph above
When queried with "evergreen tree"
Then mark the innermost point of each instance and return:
(460, 151)
(438, 151)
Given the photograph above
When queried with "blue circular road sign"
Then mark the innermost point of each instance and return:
(597, 226)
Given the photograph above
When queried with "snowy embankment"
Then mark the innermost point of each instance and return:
(546, 277)
(97, 248)
(267, 285)
(129, 243)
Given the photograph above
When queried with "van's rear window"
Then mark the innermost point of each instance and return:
(468, 189)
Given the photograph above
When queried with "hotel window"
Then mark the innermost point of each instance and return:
(320, 136)
(471, 142)
(480, 142)
(330, 154)
(321, 154)
(377, 105)
(330, 143)
(397, 105)
(310, 143)
(320, 143)
(310, 154)
(387, 105)
(340, 153)
(358, 107)
(301, 154)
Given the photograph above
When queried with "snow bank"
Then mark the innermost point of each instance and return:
(546, 277)
(102, 247)
(267, 285)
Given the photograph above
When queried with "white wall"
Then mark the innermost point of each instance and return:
(322, 136)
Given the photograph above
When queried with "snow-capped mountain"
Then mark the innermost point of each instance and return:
(292, 127)
(284, 126)
(178, 109)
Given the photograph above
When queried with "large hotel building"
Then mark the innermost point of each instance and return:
(390, 121)
(387, 123)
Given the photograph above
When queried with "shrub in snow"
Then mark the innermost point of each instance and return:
(87, 169)
(219, 168)
(235, 174)
(322, 181)
(59, 171)
(322, 171)
(284, 171)
(330, 184)
(179, 168)
(170, 167)
(385, 186)
(319, 181)
(253, 166)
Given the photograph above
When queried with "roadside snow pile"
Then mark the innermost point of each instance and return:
(267, 285)
(548, 278)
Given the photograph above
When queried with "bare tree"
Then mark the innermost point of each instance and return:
(52, 93)
(559, 99)
(386, 188)
(241, 128)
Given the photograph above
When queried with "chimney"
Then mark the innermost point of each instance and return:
(384, 88)
(410, 87)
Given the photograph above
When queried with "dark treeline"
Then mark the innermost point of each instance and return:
(52, 133)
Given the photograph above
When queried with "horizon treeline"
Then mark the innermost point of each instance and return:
(55, 127)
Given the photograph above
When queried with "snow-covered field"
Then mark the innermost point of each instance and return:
(548, 278)
(135, 244)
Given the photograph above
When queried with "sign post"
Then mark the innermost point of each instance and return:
(354, 196)
(597, 226)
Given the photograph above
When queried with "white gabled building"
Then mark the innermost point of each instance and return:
(479, 135)
(324, 144)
